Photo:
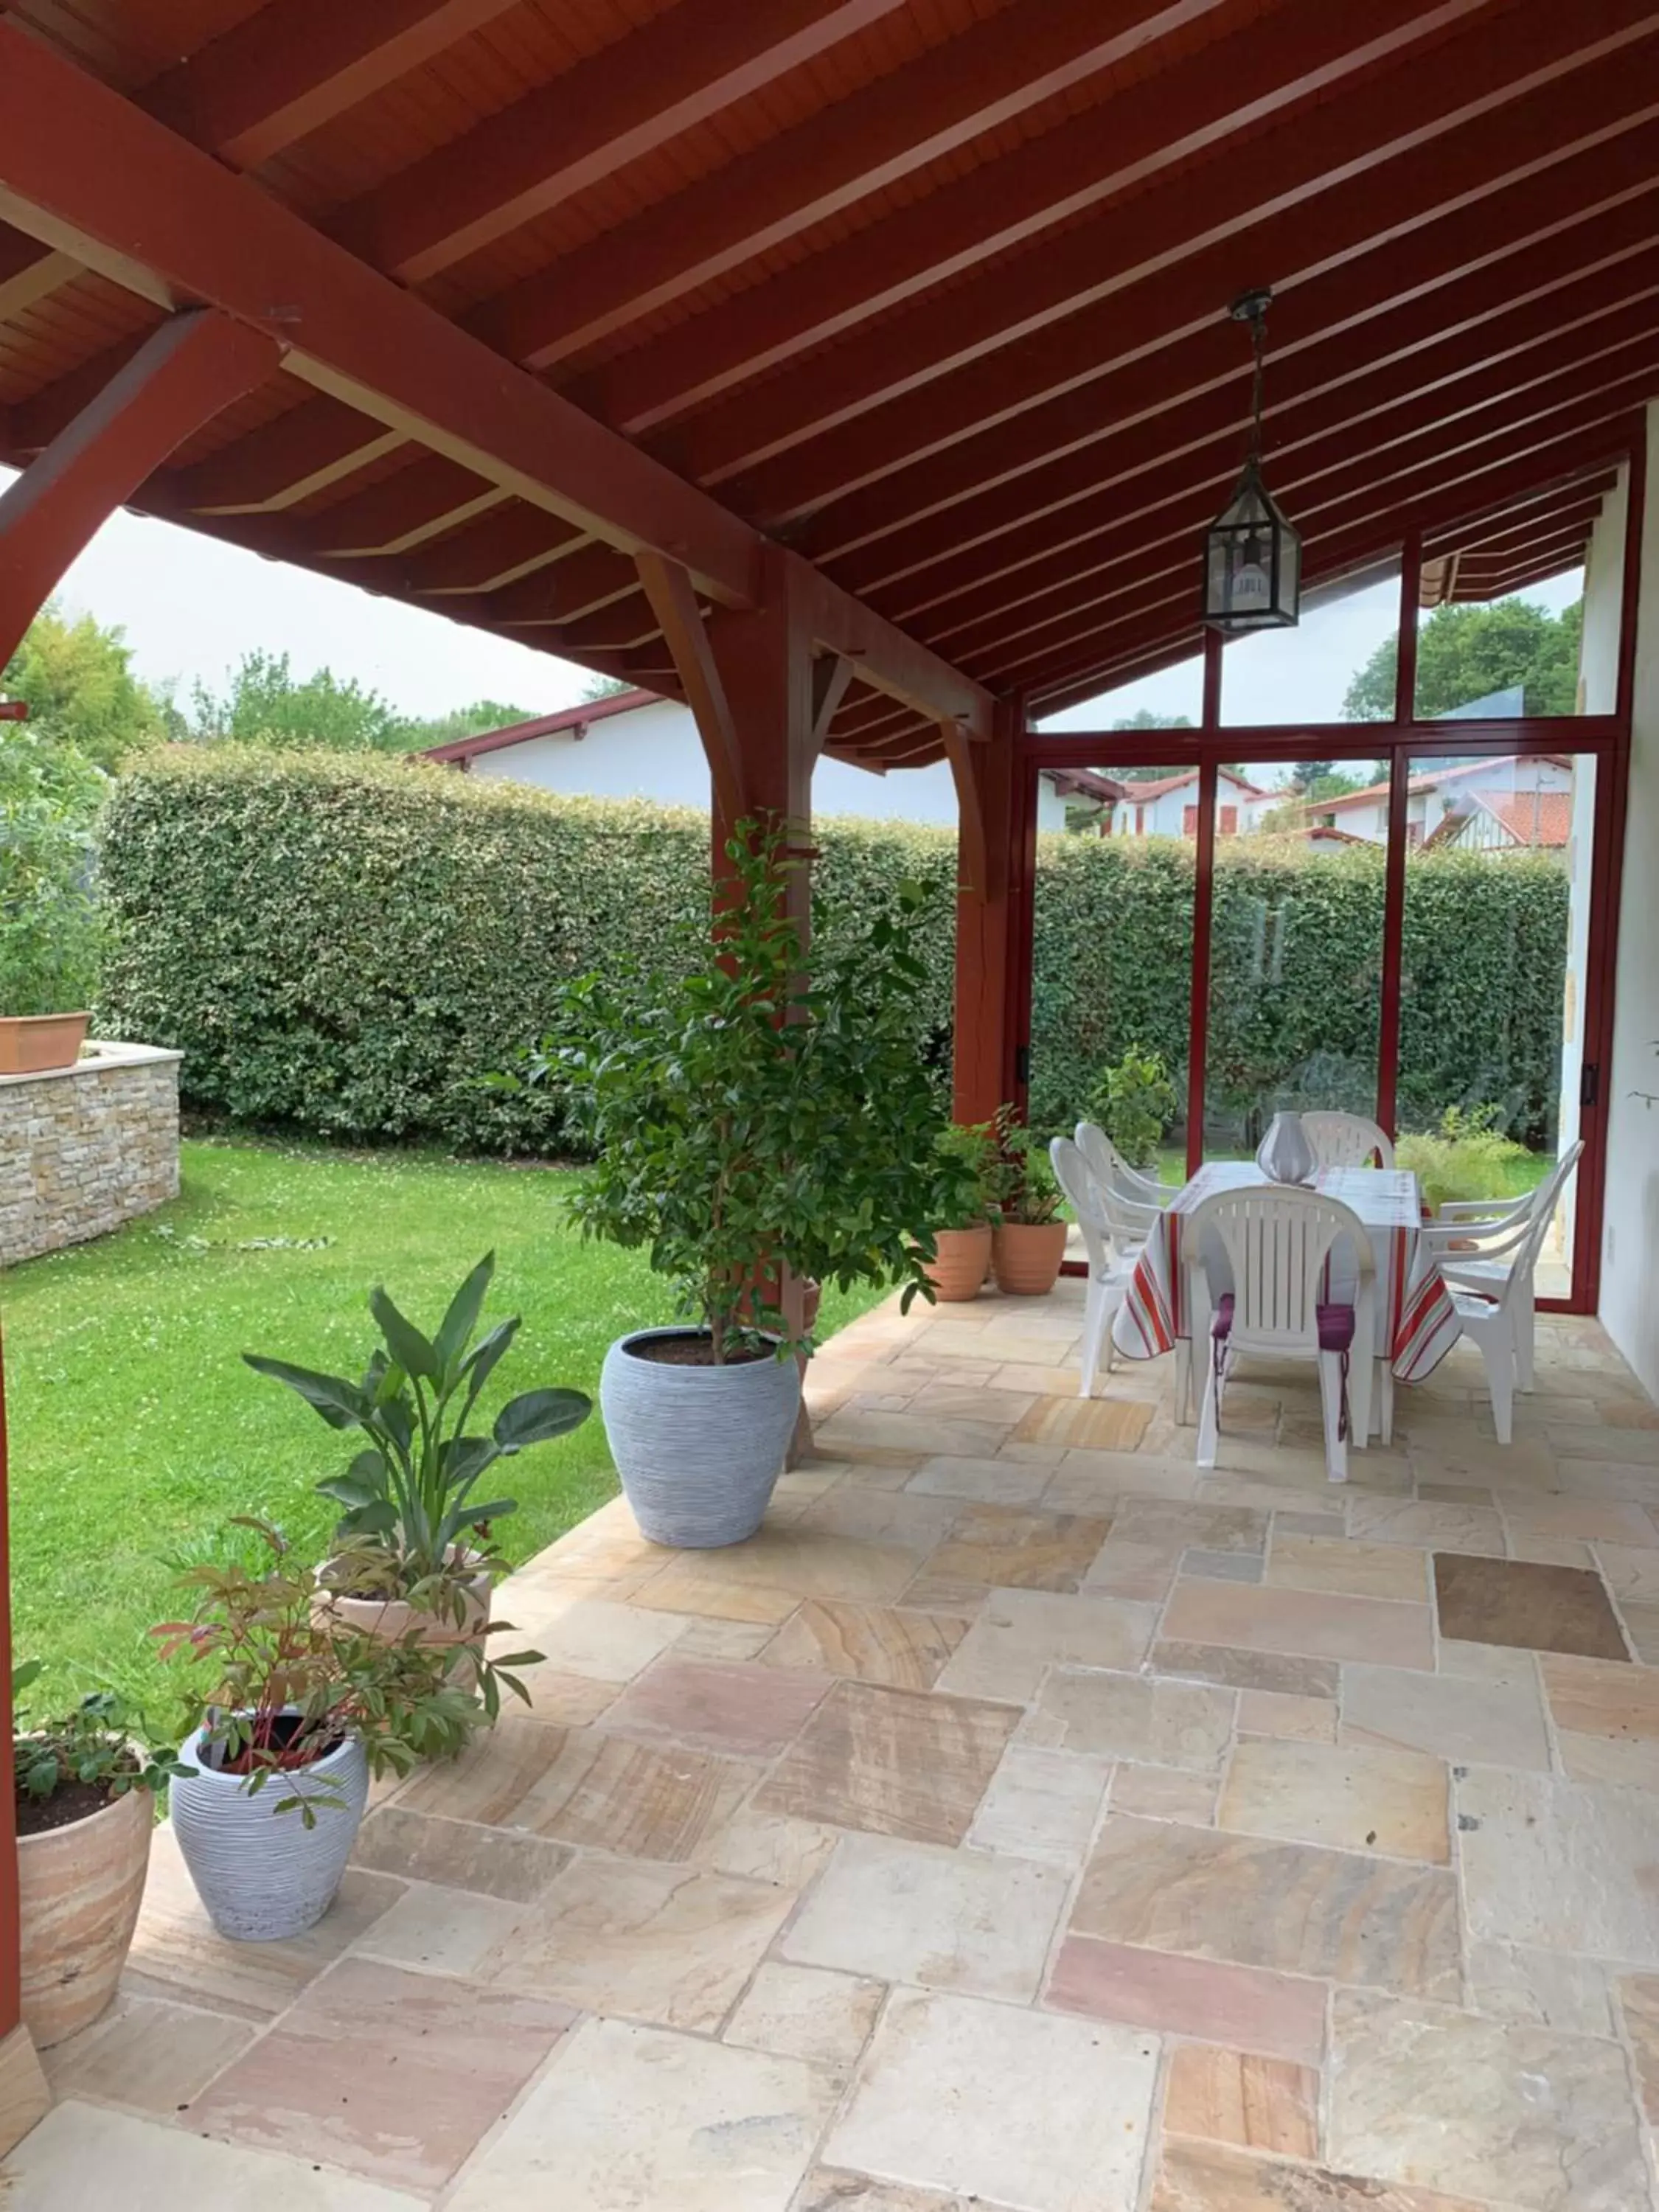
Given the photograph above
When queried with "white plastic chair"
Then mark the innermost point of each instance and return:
(1278, 1240)
(1111, 1268)
(1113, 1174)
(1133, 1203)
(1487, 1251)
(1347, 1140)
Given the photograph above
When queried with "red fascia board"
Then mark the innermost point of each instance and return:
(542, 726)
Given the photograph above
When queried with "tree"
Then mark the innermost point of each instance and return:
(604, 687)
(268, 703)
(77, 680)
(1463, 653)
(464, 722)
(1145, 720)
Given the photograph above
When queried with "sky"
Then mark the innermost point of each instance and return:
(192, 606)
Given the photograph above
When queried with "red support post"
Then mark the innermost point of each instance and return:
(191, 368)
(984, 1070)
(1203, 914)
(1393, 880)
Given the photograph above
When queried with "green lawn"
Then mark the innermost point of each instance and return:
(136, 1430)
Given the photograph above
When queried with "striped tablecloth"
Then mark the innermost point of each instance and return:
(1413, 1305)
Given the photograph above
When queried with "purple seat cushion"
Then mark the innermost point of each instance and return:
(1336, 1323)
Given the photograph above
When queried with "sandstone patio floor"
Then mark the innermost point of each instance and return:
(1023, 1820)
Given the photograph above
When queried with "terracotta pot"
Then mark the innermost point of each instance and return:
(963, 1263)
(80, 1890)
(1027, 1256)
(389, 1618)
(31, 1044)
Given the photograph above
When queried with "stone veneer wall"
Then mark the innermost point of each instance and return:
(83, 1149)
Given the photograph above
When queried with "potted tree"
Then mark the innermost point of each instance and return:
(83, 1783)
(417, 1552)
(966, 1167)
(297, 1712)
(747, 1127)
(50, 925)
(1030, 1239)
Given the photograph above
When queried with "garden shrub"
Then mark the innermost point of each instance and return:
(51, 929)
(347, 944)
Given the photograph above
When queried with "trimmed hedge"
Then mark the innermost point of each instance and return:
(346, 943)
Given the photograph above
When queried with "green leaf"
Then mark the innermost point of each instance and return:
(341, 1404)
(455, 1330)
(410, 1350)
(538, 1415)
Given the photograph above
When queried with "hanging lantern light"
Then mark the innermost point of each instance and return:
(1252, 556)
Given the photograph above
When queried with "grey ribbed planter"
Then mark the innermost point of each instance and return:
(699, 1449)
(263, 1875)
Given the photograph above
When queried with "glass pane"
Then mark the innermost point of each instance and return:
(1173, 699)
(1492, 954)
(1325, 670)
(1112, 957)
(1496, 660)
(1296, 955)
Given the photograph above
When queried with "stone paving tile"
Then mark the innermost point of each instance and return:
(629, 2118)
(578, 1634)
(1215, 2178)
(768, 1847)
(747, 1711)
(1501, 1723)
(1239, 2097)
(785, 1563)
(1018, 1633)
(805, 2012)
(391, 2075)
(1438, 1528)
(145, 2052)
(831, 2189)
(1293, 1908)
(1352, 1797)
(1222, 1566)
(1009, 2108)
(1631, 1572)
(1638, 2008)
(1348, 1567)
(1004, 1547)
(1160, 1723)
(1277, 2015)
(1591, 1697)
(1424, 2095)
(972, 1921)
(1304, 1720)
(612, 1794)
(891, 1761)
(82, 2156)
(1165, 1793)
(1642, 1628)
(1542, 1988)
(981, 1481)
(439, 1931)
(1236, 1669)
(904, 1649)
(1559, 1865)
(1609, 1520)
(1085, 1424)
(1041, 1805)
(1539, 1609)
(459, 1854)
(670, 1945)
(1313, 1624)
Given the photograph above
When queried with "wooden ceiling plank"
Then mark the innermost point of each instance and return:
(985, 75)
(1164, 265)
(296, 65)
(665, 79)
(1467, 267)
(1299, 50)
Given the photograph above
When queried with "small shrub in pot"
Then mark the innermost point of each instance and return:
(1134, 1101)
(83, 1784)
(965, 1165)
(748, 1126)
(296, 1712)
(1030, 1239)
(416, 1554)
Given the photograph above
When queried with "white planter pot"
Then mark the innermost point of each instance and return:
(699, 1449)
(263, 1875)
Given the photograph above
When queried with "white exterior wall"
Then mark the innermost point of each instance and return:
(653, 753)
(1630, 1231)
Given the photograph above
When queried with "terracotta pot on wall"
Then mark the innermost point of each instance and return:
(79, 1887)
(963, 1263)
(33, 1044)
(1027, 1256)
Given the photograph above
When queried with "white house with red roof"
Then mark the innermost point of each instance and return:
(1167, 806)
(634, 745)
(1504, 803)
